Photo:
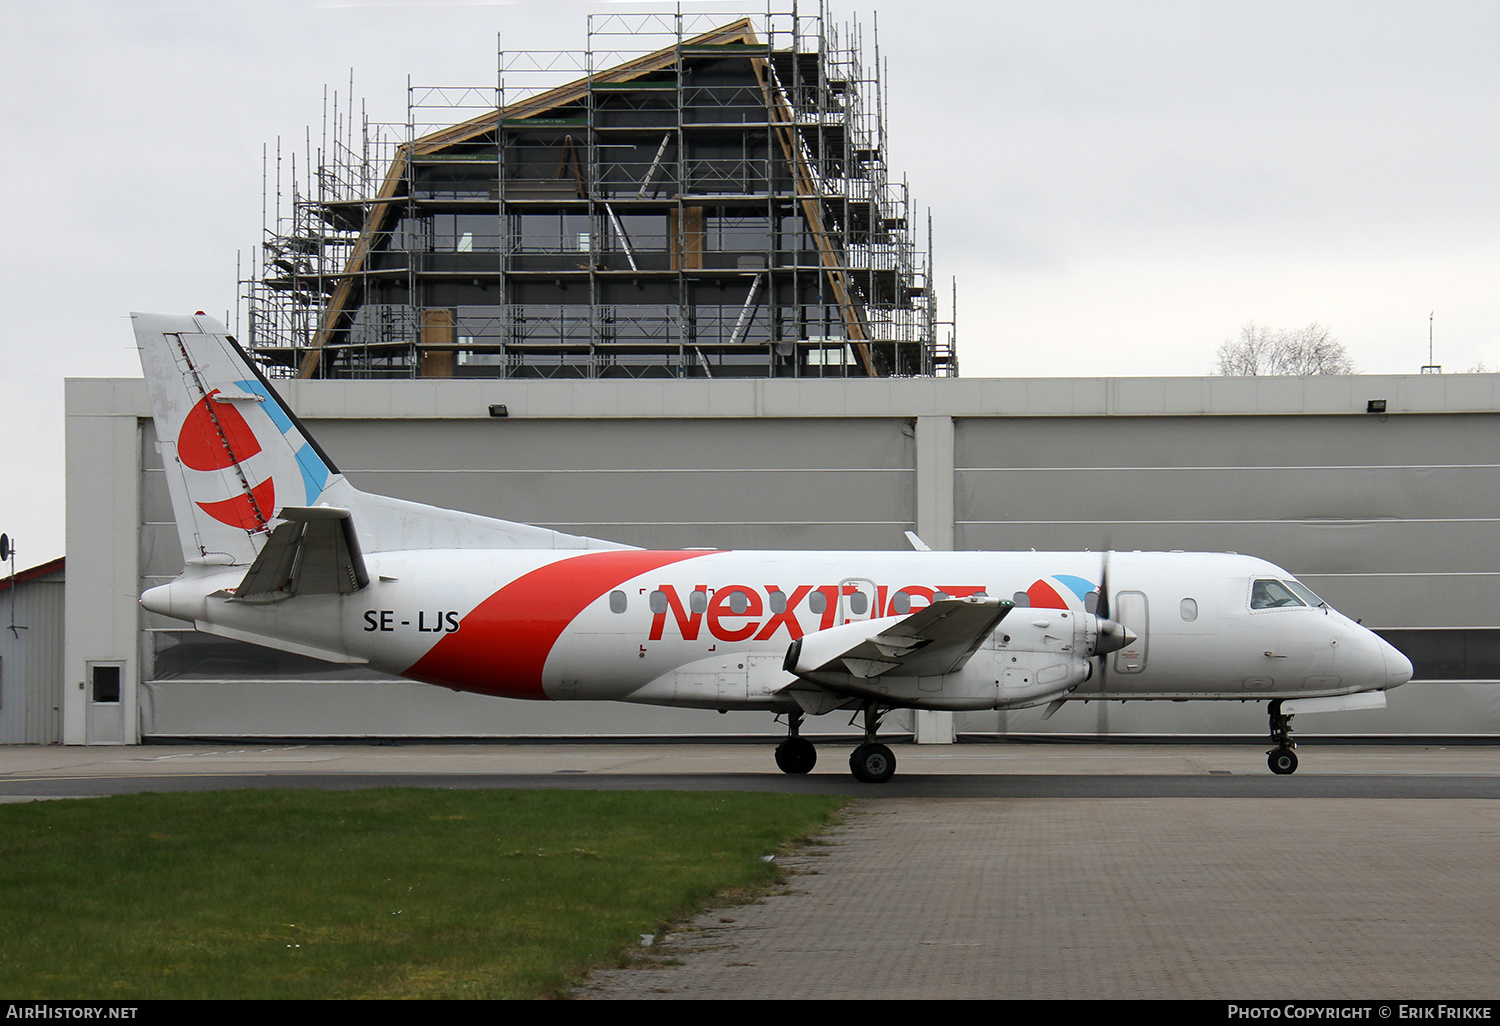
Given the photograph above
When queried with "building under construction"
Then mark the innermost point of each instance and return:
(700, 201)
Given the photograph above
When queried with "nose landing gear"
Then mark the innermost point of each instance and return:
(1282, 759)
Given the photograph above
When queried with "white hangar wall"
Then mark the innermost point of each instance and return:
(1386, 516)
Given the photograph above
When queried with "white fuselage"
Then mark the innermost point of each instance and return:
(711, 629)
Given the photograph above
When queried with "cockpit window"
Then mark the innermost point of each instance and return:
(1266, 594)
(1304, 593)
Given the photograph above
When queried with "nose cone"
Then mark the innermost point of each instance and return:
(158, 599)
(184, 600)
(1398, 669)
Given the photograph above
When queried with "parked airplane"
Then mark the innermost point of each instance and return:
(281, 550)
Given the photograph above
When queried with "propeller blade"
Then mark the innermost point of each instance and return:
(1112, 636)
(1102, 610)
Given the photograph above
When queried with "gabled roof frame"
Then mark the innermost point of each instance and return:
(388, 196)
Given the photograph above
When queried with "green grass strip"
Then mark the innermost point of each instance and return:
(392, 893)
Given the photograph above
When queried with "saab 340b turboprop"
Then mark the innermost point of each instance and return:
(282, 551)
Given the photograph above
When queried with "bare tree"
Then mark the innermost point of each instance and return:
(1260, 350)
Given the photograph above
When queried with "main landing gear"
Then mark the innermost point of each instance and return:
(871, 762)
(1281, 759)
(796, 754)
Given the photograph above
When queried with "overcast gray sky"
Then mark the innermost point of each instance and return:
(1118, 186)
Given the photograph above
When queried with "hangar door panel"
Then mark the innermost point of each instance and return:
(805, 483)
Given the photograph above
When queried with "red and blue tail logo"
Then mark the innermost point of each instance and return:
(215, 437)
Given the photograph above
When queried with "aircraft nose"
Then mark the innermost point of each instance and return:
(1398, 668)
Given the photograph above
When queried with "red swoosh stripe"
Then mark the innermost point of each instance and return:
(501, 647)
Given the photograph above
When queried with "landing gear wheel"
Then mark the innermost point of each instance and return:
(796, 755)
(1282, 761)
(872, 764)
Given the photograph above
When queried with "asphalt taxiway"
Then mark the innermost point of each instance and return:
(1025, 871)
(924, 771)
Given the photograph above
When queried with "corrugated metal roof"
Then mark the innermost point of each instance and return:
(41, 570)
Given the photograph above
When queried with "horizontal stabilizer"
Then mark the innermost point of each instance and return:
(314, 551)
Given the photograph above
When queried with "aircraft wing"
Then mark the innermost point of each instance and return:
(935, 640)
(314, 551)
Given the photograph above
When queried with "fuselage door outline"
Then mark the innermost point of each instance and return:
(859, 599)
(1131, 611)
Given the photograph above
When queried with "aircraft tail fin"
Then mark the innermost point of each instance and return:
(236, 456)
(234, 453)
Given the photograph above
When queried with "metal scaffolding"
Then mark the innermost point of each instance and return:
(683, 198)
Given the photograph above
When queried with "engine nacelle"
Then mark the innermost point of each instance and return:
(814, 651)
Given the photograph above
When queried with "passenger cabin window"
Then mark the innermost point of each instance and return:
(1266, 594)
(1021, 600)
(859, 603)
(698, 602)
(817, 602)
(658, 602)
(617, 602)
(900, 604)
(739, 602)
(1189, 609)
(778, 602)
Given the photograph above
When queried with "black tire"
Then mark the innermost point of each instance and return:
(796, 755)
(872, 764)
(1282, 761)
